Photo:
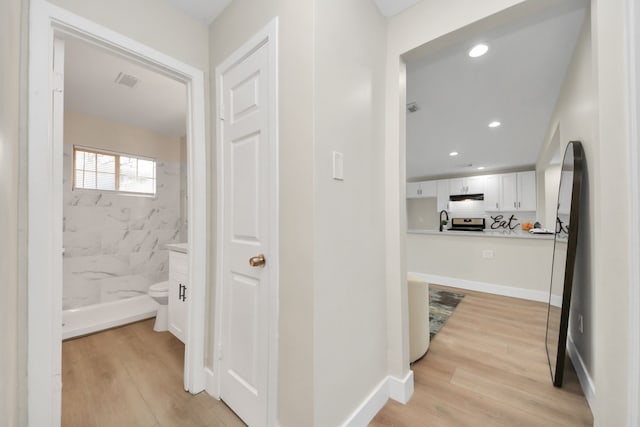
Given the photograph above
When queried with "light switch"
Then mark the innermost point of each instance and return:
(338, 166)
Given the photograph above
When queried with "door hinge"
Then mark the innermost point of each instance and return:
(219, 351)
(58, 82)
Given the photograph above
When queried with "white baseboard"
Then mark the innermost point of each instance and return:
(401, 390)
(391, 387)
(586, 383)
(488, 288)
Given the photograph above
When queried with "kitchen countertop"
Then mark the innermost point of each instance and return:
(516, 234)
(178, 247)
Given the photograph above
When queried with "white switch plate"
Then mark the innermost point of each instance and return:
(338, 166)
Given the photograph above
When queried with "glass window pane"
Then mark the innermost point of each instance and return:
(106, 163)
(90, 161)
(128, 166)
(127, 183)
(146, 185)
(79, 159)
(79, 179)
(146, 168)
(106, 181)
(89, 179)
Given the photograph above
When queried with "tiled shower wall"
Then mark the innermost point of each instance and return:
(114, 244)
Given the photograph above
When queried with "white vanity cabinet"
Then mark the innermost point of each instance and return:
(178, 294)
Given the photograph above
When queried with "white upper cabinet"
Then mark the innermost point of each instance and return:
(442, 188)
(468, 185)
(492, 193)
(519, 191)
(421, 189)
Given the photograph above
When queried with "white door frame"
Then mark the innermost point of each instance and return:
(268, 37)
(44, 285)
(633, 53)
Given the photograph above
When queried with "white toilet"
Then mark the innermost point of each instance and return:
(160, 293)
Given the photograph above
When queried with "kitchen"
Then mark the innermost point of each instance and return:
(483, 155)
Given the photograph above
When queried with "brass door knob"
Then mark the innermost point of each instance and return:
(257, 261)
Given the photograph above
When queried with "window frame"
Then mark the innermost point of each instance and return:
(117, 155)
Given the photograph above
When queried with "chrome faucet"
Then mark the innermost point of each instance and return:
(446, 215)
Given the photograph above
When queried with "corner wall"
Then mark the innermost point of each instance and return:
(349, 288)
(574, 118)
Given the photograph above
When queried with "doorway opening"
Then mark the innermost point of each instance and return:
(50, 28)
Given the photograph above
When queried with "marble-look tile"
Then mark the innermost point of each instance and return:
(83, 219)
(123, 287)
(149, 261)
(79, 292)
(82, 243)
(96, 267)
(127, 241)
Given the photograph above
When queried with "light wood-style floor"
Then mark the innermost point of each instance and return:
(132, 376)
(488, 367)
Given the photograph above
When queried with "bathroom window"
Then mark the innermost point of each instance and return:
(104, 170)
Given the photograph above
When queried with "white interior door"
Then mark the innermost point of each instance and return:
(248, 209)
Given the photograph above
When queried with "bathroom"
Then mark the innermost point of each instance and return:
(124, 187)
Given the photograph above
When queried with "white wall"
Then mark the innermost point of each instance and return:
(349, 290)
(239, 21)
(12, 308)
(610, 250)
(608, 174)
(574, 118)
(523, 264)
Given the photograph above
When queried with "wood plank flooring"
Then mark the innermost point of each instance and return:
(132, 376)
(488, 367)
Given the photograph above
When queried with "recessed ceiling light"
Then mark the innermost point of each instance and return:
(453, 153)
(478, 50)
(494, 124)
(480, 168)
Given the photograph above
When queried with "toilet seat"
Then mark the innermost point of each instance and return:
(159, 289)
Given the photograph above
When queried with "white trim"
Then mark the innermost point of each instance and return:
(267, 36)
(489, 288)
(368, 409)
(586, 383)
(633, 51)
(210, 387)
(389, 388)
(401, 389)
(45, 207)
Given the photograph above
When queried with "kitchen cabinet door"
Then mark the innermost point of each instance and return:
(492, 192)
(509, 192)
(457, 186)
(527, 191)
(428, 189)
(475, 184)
(413, 190)
(442, 189)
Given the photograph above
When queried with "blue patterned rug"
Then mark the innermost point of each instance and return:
(441, 306)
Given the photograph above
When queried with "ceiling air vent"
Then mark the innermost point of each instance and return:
(127, 80)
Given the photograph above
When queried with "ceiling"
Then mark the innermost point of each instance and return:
(156, 103)
(208, 10)
(517, 83)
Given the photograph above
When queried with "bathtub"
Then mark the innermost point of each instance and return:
(98, 317)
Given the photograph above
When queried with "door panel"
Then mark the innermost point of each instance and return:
(247, 206)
